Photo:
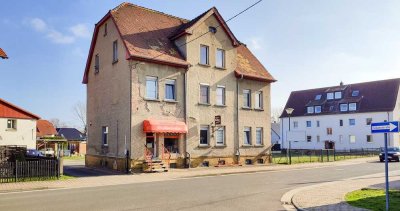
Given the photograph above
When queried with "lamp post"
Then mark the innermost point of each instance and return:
(289, 111)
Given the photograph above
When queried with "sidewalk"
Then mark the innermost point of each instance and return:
(173, 174)
(330, 196)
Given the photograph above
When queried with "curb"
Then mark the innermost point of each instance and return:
(287, 198)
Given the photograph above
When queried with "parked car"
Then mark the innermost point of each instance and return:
(34, 153)
(393, 154)
(48, 152)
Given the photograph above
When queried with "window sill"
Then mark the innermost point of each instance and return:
(116, 61)
(204, 146)
(220, 146)
(11, 130)
(204, 65)
(170, 101)
(204, 104)
(246, 146)
(104, 146)
(220, 68)
(259, 145)
(246, 108)
(150, 99)
(222, 106)
(258, 109)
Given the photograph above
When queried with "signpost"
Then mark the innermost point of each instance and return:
(385, 127)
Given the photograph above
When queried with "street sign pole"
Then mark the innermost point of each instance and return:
(386, 172)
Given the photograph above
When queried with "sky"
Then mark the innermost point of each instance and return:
(303, 44)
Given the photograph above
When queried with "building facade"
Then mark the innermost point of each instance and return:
(157, 83)
(17, 126)
(340, 117)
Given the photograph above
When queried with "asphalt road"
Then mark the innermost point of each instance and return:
(252, 191)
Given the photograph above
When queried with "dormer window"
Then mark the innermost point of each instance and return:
(344, 107)
(355, 93)
(352, 106)
(317, 109)
(329, 96)
(318, 97)
(310, 110)
(338, 95)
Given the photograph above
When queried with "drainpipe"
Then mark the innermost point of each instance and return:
(237, 153)
(186, 114)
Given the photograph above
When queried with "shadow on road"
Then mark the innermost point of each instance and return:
(77, 168)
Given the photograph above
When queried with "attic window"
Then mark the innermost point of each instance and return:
(329, 96)
(318, 97)
(338, 95)
(212, 29)
(310, 110)
(355, 93)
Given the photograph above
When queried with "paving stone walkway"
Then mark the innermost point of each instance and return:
(330, 196)
(95, 181)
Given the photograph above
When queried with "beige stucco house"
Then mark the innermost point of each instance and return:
(161, 85)
(17, 126)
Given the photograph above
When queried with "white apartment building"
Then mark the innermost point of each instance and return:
(340, 117)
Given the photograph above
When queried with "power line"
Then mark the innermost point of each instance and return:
(233, 17)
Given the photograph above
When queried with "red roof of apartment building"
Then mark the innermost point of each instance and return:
(45, 128)
(149, 35)
(3, 54)
(8, 110)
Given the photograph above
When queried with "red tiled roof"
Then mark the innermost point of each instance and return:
(3, 54)
(249, 67)
(374, 96)
(45, 128)
(148, 36)
(8, 110)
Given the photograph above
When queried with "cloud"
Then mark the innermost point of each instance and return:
(255, 43)
(38, 24)
(80, 30)
(56, 36)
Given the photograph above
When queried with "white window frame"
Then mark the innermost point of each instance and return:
(344, 107)
(319, 110)
(11, 124)
(247, 96)
(220, 99)
(245, 131)
(104, 135)
(217, 134)
(202, 128)
(259, 136)
(155, 79)
(169, 82)
(222, 59)
(207, 54)
(338, 95)
(208, 94)
(258, 104)
(350, 122)
(115, 51)
(330, 96)
(310, 109)
(308, 121)
(352, 106)
(352, 139)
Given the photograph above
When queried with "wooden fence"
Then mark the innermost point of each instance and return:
(29, 170)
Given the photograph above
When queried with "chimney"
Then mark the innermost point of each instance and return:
(341, 83)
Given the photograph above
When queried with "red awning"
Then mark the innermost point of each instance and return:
(164, 126)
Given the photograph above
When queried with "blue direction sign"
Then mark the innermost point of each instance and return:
(385, 127)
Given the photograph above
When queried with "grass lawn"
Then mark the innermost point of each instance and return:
(373, 199)
(281, 159)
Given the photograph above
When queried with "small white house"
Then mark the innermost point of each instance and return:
(340, 117)
(17, 126)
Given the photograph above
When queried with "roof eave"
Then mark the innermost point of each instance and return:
(254, 78)
(158, 61)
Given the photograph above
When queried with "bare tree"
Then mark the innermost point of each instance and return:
(275, 114)
(79, 111)
(57, 123)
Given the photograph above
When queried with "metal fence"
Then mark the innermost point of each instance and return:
(12, 153)
(29, 170)
(293, 156)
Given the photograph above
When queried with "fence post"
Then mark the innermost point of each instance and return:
(16, 170)
(290, 152)
(322, 156)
